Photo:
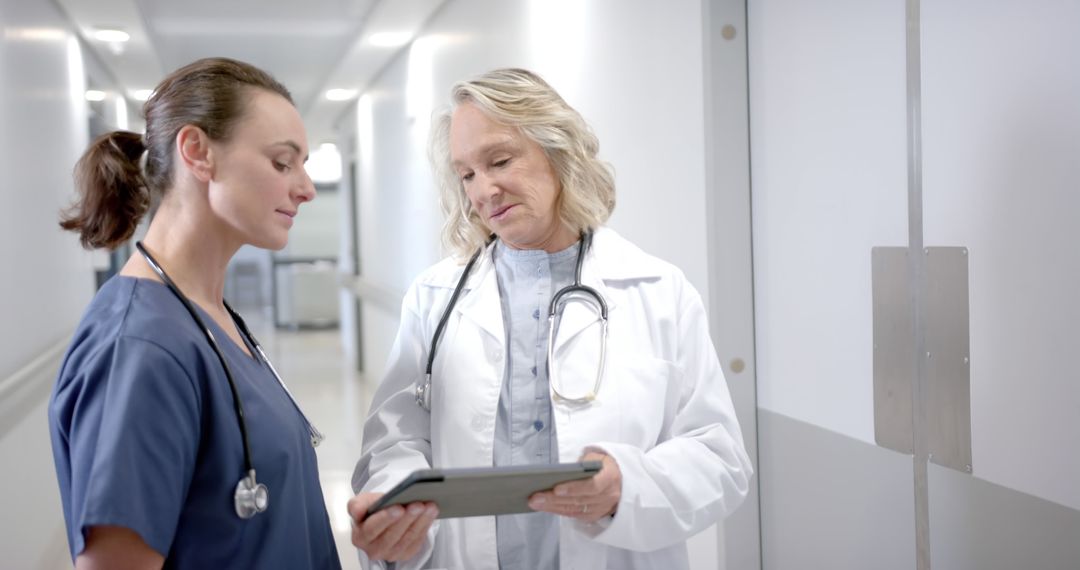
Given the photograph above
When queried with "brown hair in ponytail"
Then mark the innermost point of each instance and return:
(114, 190)
(114, 196)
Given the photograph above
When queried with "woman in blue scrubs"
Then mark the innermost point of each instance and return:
(145, 424)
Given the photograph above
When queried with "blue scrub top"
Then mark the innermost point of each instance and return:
(145, 436)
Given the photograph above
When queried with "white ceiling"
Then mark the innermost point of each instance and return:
(310, 46)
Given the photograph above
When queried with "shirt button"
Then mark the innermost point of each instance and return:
(534, 370)
(536, 314)
(478, 422)
(539, 425)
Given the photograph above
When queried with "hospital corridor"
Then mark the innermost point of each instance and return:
(679, 284)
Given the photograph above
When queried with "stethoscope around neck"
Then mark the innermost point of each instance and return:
(423, 391)
(251, 497)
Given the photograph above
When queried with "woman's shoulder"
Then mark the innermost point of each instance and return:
(618, 259)
(445, 273)
(155, 314)
(129, 310)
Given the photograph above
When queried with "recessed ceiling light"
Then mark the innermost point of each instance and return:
(111, 35)
(390, 39)
(95, 95)
(340, 94)
(142, 94)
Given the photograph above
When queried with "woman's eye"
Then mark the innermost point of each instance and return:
(500, 163)
(467, 177)
(281, 166)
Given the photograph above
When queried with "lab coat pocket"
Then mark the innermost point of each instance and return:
(647, 393)
(634, 404)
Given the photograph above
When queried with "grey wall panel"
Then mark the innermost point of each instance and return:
(978, 525)
(830, 501)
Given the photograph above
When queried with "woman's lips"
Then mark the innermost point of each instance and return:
(501, 212)
(287, 216)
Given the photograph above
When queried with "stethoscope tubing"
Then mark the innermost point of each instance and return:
(251, 497)
(238, 407)
(423, 391)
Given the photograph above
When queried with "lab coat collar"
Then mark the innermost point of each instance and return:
(611, 258)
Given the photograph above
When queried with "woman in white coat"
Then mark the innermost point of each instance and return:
(526, 197)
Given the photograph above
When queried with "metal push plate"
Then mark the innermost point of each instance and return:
(894, 346)
(947, 359)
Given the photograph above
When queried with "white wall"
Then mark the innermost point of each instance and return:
(828, 157)
(47, 279)
(1001, 132)
(634, 69)
(44, 131)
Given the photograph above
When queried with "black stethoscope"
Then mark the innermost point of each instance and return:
(423, 391)
(251, 497)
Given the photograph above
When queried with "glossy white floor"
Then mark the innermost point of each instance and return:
(335, 397)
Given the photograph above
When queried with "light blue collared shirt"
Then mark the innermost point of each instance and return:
(524, 428)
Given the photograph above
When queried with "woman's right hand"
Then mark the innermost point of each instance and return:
(395, 533)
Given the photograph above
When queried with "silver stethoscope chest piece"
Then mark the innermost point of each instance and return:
(251, 497)
(423, 390)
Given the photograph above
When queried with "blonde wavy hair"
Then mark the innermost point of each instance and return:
(521, 99)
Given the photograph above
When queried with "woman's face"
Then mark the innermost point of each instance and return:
(259, 179)
(508, 180)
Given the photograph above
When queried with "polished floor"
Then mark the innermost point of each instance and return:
(334, 396)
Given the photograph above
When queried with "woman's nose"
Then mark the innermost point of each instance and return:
(305, 189)
(485, 186)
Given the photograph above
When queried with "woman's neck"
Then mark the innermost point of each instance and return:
(191, 249)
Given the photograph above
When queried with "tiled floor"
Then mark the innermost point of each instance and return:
(335, 397)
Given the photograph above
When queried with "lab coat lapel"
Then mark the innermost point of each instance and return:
(480, 303)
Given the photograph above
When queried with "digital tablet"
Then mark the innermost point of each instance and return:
(483, 491)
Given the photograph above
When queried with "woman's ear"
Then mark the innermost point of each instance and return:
(193, 146)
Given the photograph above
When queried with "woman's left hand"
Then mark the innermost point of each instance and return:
(587, 500)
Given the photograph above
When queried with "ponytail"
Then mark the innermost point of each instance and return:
(112, 191)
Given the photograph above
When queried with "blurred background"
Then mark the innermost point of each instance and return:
(876, 199)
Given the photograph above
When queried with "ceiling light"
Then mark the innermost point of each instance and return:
(390, 39)
(111, 36)
(95, 95)
(340, 94)
(142, 94)
(34, 34)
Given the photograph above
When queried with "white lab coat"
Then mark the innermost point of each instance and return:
(663, 411)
